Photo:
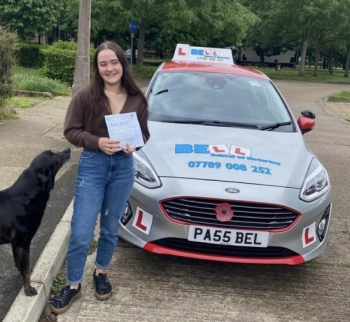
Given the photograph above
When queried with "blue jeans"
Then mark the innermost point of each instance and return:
(103, 186)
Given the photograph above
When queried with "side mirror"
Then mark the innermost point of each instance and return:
(306, 121)
(308, 113)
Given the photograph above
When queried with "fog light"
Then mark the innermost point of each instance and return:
(126, 215)
(321, 226)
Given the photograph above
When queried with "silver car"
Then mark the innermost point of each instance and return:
(226, 175)
(128, 53)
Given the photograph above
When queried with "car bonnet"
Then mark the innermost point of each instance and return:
(228, 154)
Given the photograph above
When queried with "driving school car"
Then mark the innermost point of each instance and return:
(226, 174)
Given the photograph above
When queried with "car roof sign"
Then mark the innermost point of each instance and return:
(189, 53)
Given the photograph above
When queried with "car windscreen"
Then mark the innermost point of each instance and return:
(221, 97)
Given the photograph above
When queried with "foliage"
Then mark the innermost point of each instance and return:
(30, 18)
(24, 101)
(68, 45)
(30, 79)
(8, 43)
(144, 71)
(60, 63)
(345, 96)
(58, 282)
(30, 55)
(317, 29)
(291, 74)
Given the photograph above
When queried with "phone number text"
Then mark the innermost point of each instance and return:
(229, 166)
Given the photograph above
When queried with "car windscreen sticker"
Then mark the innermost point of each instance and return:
(143, 221)
(309, 235)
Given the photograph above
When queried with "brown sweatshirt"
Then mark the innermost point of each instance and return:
(83, 129)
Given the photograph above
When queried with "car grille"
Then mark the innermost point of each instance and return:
(224, 250)
(246, 215)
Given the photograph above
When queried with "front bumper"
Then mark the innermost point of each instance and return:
(151, 229)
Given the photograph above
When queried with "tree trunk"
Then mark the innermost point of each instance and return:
(305, 37)
(262, 60)
(330, 61)
(82, 60)
(140, 46)
(325, 62)
(317, 57)
(347, 60)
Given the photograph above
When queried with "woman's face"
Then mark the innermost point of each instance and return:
(109, 67)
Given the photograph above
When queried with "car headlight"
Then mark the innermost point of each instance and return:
(316, 182)
(144, 172)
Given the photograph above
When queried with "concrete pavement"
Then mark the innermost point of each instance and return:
(36, 129)
(338, 109)
(148, 287)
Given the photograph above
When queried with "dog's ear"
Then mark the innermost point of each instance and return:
(43, 177)
(46, 179)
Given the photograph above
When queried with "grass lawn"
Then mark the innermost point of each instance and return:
(285, 73)
(344, 96)
(143, 72)
(9, 110)
(292, 74)
(25, 102)
(30, 79)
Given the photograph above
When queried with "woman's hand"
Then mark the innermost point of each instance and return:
(109, 146)
(129, 149)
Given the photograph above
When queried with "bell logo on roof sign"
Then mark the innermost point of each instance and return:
(204, 52)
(185, 52)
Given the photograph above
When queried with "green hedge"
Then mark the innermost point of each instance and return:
(60, 61)
(8, 43)
(59, 64)
(68, 45)
(30, 55)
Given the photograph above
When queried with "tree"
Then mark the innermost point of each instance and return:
(8, 44)
(82, 63)
(324, 28)
(201, 21)
(30, 17)
(300, 15)
(344, 32)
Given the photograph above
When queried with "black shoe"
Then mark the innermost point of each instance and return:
(103, 289)
(64, 299)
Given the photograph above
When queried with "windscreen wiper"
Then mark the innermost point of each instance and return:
(161, 92)
(274, 125)
(214, 123)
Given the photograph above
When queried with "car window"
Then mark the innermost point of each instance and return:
(220, 97)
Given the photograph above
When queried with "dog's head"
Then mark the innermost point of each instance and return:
(47, 164)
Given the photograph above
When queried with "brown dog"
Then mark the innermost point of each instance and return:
(22, 207)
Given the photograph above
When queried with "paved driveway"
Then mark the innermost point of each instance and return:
(155, 288)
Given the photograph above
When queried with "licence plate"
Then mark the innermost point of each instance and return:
(229, 237)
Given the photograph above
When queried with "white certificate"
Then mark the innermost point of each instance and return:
(125, 128)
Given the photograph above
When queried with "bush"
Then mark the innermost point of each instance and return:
(69, 45)
(30, 55)
(8, 43)
(60, 61)
(59, 64)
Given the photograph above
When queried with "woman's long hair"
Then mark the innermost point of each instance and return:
(99, 99)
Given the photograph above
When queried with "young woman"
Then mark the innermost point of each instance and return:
(106, 171)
